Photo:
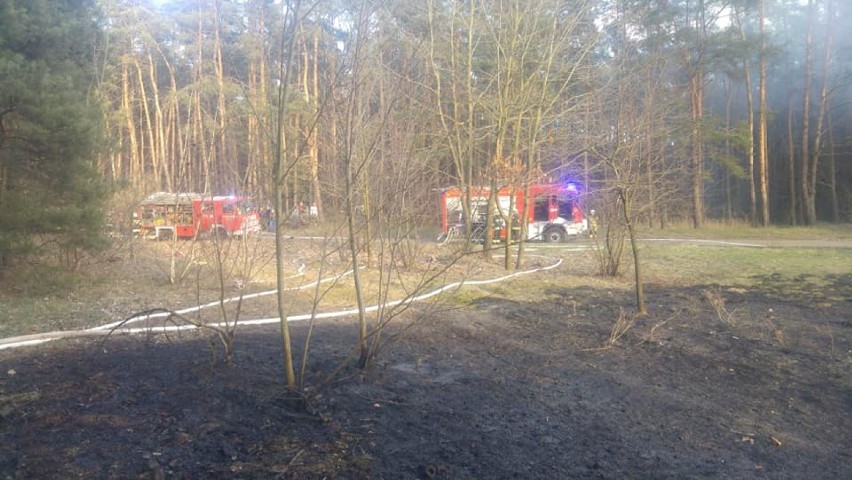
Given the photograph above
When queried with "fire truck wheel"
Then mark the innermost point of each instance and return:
(554, 235)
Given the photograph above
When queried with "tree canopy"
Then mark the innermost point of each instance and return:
(493, 87)
(728, 109)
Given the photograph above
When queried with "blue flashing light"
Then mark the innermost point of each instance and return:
(571, 187)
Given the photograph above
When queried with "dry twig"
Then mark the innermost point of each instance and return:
(717, 301)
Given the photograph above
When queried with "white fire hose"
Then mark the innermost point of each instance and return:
(112, 328)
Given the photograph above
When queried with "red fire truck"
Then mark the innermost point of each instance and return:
(187, 215)
(556, 214)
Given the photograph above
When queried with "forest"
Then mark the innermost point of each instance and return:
(734, 110)
(714, 136)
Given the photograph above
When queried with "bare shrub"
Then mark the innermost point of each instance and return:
(717, 302)
(623, 324)
(164, 320)
(611, 243)
(658, 325)
(775, 331)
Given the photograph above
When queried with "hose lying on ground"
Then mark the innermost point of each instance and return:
(110, 329)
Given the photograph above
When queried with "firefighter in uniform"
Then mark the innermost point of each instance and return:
(593, 224)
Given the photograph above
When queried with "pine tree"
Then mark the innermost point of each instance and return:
(49, 126)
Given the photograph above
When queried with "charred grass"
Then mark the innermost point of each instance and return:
(740, 370)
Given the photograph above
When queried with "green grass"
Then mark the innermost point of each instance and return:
(819, 273)
(742, 230)
(40, 298)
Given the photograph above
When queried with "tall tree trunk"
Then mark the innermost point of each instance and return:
(279, 177)
(136, 171)
(752, 180)
(728, 151)
(650, 142)
(490, 214)
(253, 135)
(819, 133)
(470, 107)
(808, 202)
(149, 135)
(313, 144)
(264, 159)
(696, 97)
(832, 172)
(791, 163)
(508, 221)
(174, 136)
(204, 149)
(639, 289)
(350, 191)
(225, 160)
(763, 133)
(158, 148)
(456, 112)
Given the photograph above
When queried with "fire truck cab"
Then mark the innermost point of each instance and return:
(226, 215)
(555, 213)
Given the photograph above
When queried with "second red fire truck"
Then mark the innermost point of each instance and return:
(556, 214)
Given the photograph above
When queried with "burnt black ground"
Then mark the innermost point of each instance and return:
(502, 389)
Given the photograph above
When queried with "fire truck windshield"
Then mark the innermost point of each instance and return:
(236, 206)
(566, 206)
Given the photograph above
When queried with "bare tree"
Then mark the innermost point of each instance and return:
(455, 98)
(763, 141)
(808, 200)
(820, 134)
(280, 168)
(636, 126)
(750, 118)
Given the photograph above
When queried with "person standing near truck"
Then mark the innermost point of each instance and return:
(593, 224)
